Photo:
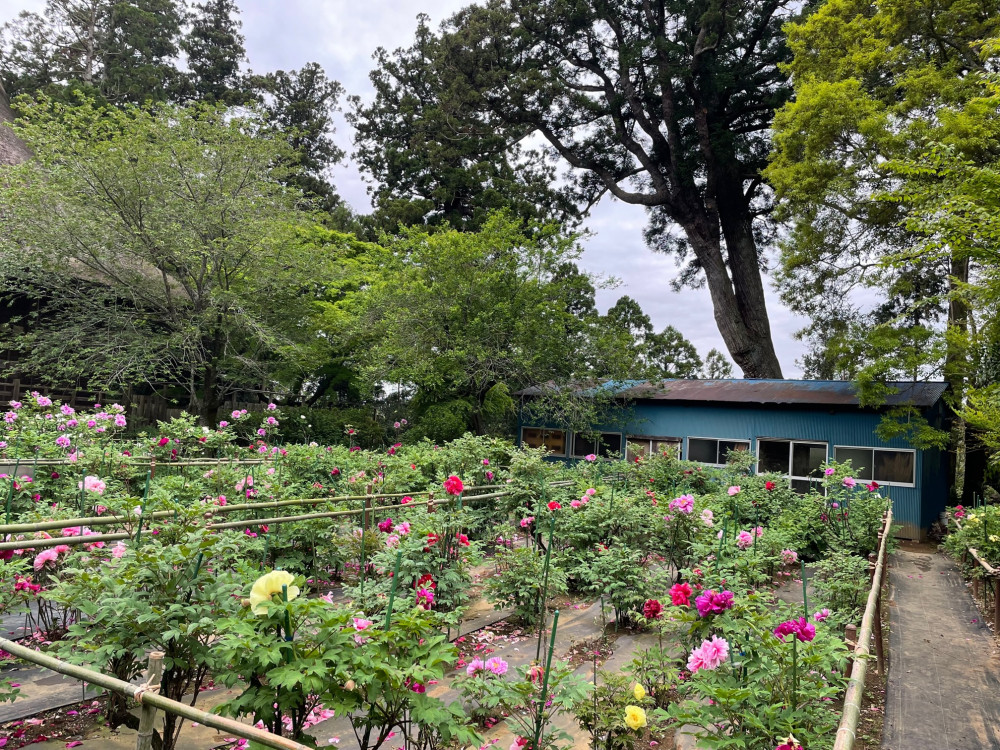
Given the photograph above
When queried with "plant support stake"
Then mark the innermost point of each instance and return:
(545, 588)
(392, 590)
(539, 720)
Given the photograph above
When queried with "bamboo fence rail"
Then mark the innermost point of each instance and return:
(847, 730)
(20, 544)
(146, 697)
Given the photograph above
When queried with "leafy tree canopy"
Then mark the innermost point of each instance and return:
(161, 246)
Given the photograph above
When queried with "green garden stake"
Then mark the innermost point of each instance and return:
(363, 515)
(288, 621)
(795, 672)
(10, 492)
(197, 568)
(545, 679)
(82, 488)
(392, 590)
(545, 587)
(805, 600)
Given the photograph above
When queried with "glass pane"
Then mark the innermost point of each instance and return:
(702, 450)
(555, 441)
(801, 486)
(808, 459)
(531, 437)
(582, 446)
(611, 444)
(636, 448)
(894, 466)
(772, 456)
(731, 445)
(669, 446)
(860, 458)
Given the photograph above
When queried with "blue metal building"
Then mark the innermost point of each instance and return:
(793, 427)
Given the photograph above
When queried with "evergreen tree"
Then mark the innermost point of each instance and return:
(214, 49)
(301, 103)
(139, 51)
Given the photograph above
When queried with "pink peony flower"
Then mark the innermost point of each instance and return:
(821, 615)
(711, 603)
(49, 555)
(475, 666)
(789, 556)
(744, 540)
(527, 521)
(684, 504)
(711, 654)
(829, 471)
(707, 517)
(496, 665)
(590, 457)
(734, 490)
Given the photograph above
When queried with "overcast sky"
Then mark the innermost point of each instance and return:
(341, 35)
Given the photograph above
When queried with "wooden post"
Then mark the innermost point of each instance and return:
(996, 603)
(147, 717)
(851, 635)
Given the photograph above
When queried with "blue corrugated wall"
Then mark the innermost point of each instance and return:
(914, 508)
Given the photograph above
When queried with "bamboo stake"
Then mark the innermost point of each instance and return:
(144, 741)
(146, 697)
(847, 731)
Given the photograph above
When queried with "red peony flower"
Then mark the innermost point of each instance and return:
(680, 594)
(453, 485)
(769, 486)
(652, 609)
(554, 505)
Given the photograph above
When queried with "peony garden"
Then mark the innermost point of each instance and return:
(469, 594)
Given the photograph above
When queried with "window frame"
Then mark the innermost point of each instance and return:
(650, 439)
(566, 440)
(791, 443)
(689, 438)
(872, 448)
(571, 445)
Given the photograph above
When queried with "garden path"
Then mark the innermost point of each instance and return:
(944, 681)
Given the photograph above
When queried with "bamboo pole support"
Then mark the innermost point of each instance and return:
(847, 730)
(145, 697)
(148, 712)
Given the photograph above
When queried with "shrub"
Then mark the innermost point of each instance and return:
(519, 580)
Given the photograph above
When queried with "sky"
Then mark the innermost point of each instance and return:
(341, 35)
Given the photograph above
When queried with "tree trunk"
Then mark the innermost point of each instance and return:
(737, 307)
(956, 369)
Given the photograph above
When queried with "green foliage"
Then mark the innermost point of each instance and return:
(492, 307)
(603, 714)
(518, 582)
(519, 697)
(841, 582)
(753, 699)
(167, 598)
(162, 233)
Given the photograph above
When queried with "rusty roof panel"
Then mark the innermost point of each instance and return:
(799, 392)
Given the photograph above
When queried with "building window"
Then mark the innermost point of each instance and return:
(608, 444)
(648, 445)
(543, 437)
(883, 465)
(712, 450)
(798, 460)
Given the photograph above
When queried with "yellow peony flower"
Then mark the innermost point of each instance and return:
(635, 717)
(638, 692)
(267, 586)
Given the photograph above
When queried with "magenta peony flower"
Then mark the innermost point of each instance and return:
(711, 603)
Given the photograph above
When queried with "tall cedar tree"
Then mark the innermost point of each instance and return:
(214, 49)
(300, 104)
(433, 168)
(665, 105)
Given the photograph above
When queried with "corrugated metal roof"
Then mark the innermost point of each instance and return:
(804, 392)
